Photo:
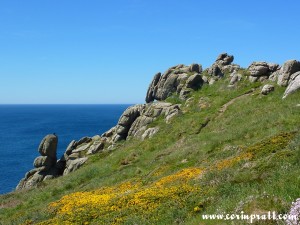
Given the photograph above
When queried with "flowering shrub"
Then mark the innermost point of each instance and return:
(113, 204)
(223, 164)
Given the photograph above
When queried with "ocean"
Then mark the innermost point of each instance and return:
(22, 127)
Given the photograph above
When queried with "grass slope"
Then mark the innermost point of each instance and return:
(228, 152)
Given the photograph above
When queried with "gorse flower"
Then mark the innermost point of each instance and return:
(108, 203)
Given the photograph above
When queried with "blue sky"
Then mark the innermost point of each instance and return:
(90, 52)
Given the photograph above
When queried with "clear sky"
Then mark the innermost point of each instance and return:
(96, 51)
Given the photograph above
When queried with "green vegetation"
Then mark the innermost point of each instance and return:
(230, 150)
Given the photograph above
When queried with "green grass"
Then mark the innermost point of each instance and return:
(265, 126)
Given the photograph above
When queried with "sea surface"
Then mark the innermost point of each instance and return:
(22, 127)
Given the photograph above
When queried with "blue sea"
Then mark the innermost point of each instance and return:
(22, 127)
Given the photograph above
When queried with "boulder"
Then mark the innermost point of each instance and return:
(257, 69)
(267, 89)
(71, 147)
(294, 85)
(48, 146)
(73, 165)
(44, 161)
(196, 68)
(150, 132)
(83, 140)
(235, 77)
(222, 65)
(81, 148)
(194, 81)
(215, 70)
(224, 59)
(184, 94)
(289, 67)
(96, 147)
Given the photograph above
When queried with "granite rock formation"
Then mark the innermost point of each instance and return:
(45, 165)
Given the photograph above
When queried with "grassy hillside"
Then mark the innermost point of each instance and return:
(231, 150)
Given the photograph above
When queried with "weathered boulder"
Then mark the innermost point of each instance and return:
(235, 77)
(224, 59)
(196, 68)
(222, 65)
(83, 140)
(48, 146)
(81, 148)
(71, 147)
(149, 133)
(262, 71)
(96, 147)
(257, 69)
(44, 161)
(289, 67)
(126, 120)
(194, 81)
(267, 89)
(74, 164)
(215, 70)
(294, 85)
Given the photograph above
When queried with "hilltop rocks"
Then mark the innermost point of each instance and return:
(174, 80)
(222, 65)
(289, 67)
(260, 71)
(45, 165)
(294, 85)
(224, 59)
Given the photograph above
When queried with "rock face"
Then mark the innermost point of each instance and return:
(294, 85)
(289, 67)
(45, 165)
(174, 80)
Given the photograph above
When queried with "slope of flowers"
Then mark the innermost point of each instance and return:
(112, 205)
(129, 202)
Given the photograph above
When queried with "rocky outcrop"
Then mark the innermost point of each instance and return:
(134, 121)
(260, 71)
(222, 65)
(289, 67)
(294, 85)
(178, 79)
(45, 165)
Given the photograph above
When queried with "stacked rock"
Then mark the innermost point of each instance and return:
(45, 165)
